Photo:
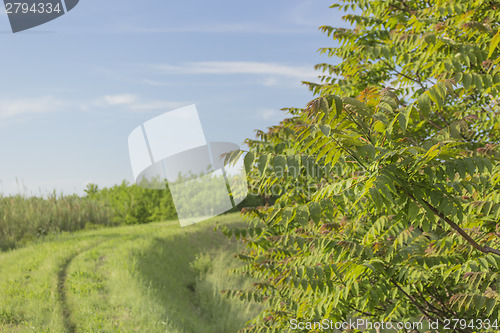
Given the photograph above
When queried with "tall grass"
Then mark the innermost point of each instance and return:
(23, 218)
(221, 313)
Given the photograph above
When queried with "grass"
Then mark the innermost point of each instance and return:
(153, 277)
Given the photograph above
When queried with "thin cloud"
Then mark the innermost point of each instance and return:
(136, 103)
(249, 28)
(123, 99)
(29, 106)
(301, 72)
(270, 82)
(158, 105)
(155, 83)
(267, 113)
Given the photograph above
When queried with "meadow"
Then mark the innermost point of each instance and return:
(154, 277)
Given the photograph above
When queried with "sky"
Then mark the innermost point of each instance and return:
(73, 89)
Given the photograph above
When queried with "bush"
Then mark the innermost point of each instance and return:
(132, 204)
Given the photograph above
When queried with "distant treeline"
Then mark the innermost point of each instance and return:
(24, 219)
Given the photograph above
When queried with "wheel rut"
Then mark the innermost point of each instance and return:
(62, 275)
(69, 325)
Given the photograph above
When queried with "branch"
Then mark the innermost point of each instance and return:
(434, 124)
(406, 76)
(440, 312)
(484, 249)
(362, 312)
(434, 294)
(413, 301)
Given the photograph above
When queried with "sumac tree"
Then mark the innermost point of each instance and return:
(388, 182)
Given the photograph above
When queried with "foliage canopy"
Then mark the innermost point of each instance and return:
(389, 180)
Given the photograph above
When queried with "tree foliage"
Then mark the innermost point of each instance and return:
(133, 204)
(389, 180)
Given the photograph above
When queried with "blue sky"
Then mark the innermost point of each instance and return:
(73, 89)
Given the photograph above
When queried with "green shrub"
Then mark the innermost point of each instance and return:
(132, 204)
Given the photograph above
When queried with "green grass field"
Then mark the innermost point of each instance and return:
(154, 277)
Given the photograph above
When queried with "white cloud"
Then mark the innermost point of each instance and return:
(136, 103)
(155, 83)
(121, 99)
(157, 105)
(300, 72)
(267, 113)
(29, 106)
(270, 81)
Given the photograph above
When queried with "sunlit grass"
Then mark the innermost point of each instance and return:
(155, 277)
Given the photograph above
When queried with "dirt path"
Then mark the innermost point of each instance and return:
(62, 274)
(61, 288)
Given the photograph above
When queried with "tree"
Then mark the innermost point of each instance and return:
(389, 180)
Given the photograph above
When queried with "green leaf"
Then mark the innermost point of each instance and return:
(280, 147)
(338, 105)
(424, 104)
(494, 43)
(436, 197)
(454, 129)
(325, 129)
(426, 226)
(486, 209)
(413, 210)
(436, 95)
(319, 272)
(461, 168)
(315, 211)
(479, 301)
(479, 163)
(358, 106)
(470, 166)
(304, 284)
(467, 81)
(263, 162)
(287, 216)
(402, 121)
(302, 215)
(312, 168)
(477, 81)
(376, 197)
(327, 206)
(367, 151)
(450, 169)
(279, 164)
(293, 165)
(248, 161)
(490, 305)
